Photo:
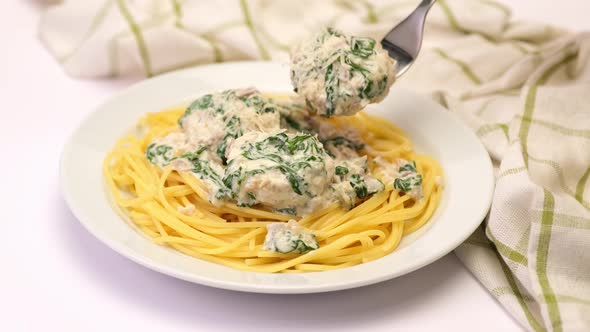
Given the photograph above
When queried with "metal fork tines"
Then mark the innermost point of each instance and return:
(404, 41)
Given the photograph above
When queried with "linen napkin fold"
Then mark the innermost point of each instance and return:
(523, 88)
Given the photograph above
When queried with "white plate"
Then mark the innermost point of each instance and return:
(466, 197)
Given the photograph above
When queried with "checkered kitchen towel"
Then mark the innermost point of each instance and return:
(523, 88)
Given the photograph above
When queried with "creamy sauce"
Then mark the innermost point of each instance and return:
(289, 172)
(404, 176)
(387, 170)
(289, 237)
(340, 75)
(408, 180)
(188, 209)
(248, 149)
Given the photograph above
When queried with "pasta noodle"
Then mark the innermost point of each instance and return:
(233, 236)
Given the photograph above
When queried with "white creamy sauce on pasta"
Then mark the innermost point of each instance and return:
(254, 151)
(274, 155)
(289, 237)
(294, 171)
(339, 74)
(407, 179)
(188, 209)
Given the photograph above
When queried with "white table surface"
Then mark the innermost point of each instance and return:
(56, 277)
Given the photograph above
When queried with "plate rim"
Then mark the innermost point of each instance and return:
(84, 219)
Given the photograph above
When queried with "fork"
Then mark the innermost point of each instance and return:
(403, 42)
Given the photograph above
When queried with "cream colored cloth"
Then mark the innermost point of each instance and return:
(523, 88)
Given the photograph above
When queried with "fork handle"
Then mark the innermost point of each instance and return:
(427, 3)
(404, 41)
(405, 36)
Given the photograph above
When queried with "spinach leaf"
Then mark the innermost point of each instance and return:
(334, 32)
(259, 103)
(370, 91)
(295, 181)
(283, 150)
(362, 47)
(200, 103)
(341, 170)
(359, 186)
(193, 155)
(292, 123)
(343, 141)
(291, 211)
(233, 180)
(301, 247)
(234, 130)
(156, 153)
(356, 66)
(331, 86)
(366, 92)
(297, 143)
(296, 243)
(406, 184)
(205, 172)
(408, 167)
(230, 179)
(255, 154)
